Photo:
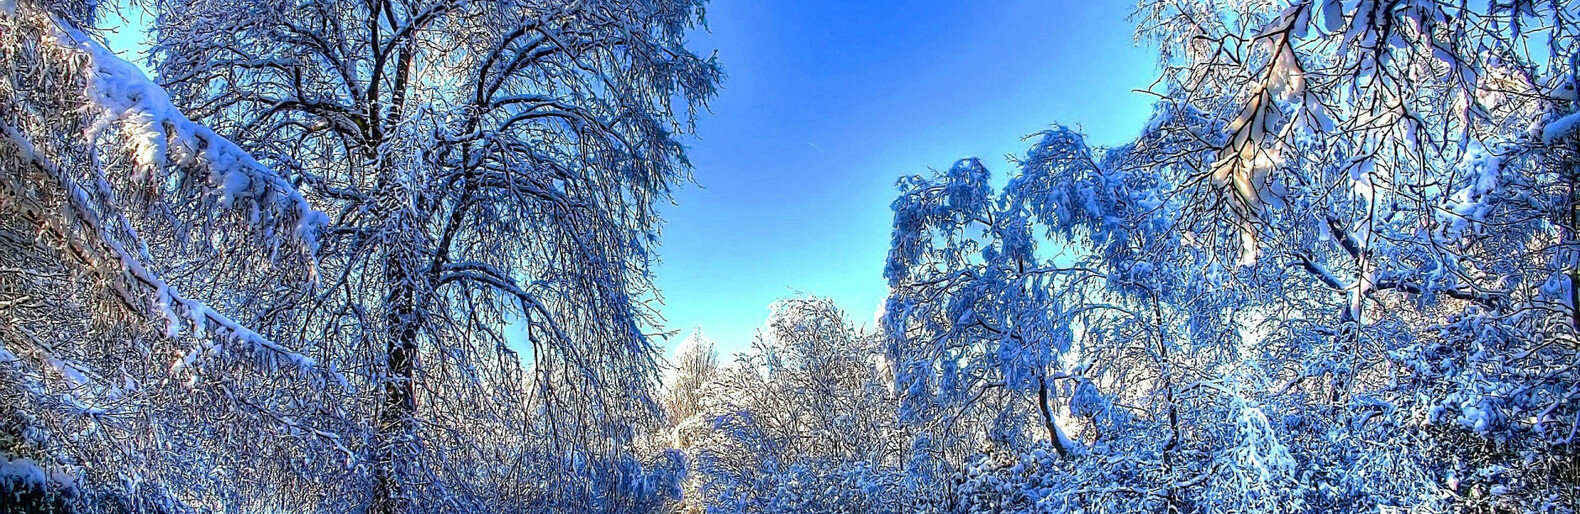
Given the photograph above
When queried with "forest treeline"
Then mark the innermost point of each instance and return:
(396, 256)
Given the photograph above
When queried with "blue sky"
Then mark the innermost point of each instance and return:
(827, 102)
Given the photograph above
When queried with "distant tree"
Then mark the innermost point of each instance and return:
(696, 362)
(804, 422)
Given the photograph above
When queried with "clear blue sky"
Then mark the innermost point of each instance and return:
(827, 102)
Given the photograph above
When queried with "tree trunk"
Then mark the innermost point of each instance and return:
(1054, 434)
(399, 406)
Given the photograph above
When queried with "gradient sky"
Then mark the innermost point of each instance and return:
(828, 102)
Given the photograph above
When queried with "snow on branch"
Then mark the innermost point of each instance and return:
(161, 136)
(158, 137)
(1560, 128)
(179, 312)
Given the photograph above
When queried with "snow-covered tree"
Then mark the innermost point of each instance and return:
(1332, 274)
(1409, 164)
(482, 164)
(696, 362)
(975, 317)
(394, 255)
(137, 365)
(804, 422)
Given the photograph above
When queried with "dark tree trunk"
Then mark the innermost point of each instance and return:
(399, 406)
(1047, 418)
